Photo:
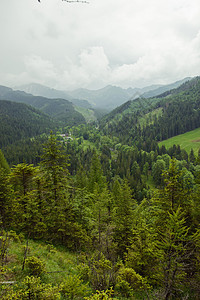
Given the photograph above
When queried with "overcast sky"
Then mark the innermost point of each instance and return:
(128, 43)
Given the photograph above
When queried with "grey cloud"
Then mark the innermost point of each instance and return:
(125, 43)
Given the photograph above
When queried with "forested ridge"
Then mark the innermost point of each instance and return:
(156, 119)
(60, 109)
(19, 121)
(128, 209)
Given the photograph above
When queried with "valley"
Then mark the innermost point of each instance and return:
(98, 205)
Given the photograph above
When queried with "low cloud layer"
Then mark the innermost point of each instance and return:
(132, 43)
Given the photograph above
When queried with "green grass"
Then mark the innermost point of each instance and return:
(187, 141)
(57, 268)
(59, 263)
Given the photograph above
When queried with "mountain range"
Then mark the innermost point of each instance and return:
(107, 98)
(59, 109)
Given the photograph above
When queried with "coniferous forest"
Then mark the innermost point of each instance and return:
(124, 210)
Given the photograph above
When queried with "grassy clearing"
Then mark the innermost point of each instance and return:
(187, 141)
(87, 113)
(58, 263)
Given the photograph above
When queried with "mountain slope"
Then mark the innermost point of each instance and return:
(187, 141)
(145, 120)
(107, 98)
(19, 121)
(60, 109)
(162, 89)
(44, 91)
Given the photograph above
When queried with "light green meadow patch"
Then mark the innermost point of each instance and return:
(87, 113)
(187, 141)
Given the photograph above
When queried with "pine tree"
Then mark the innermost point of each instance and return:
(123, 216)
(3, 162)
(176, 253)
(95, 177)
(54, 165)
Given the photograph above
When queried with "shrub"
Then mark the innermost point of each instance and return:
(128, 282)
(35, 265)
(74, 288)
(102, 295)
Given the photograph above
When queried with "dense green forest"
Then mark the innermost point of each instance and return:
(124, 209)
(156, 119)
(61, 110)
(19, 121)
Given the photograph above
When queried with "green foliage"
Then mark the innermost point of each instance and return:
(27, 150)
(22, 178)
(129, 282)
(6, 193)
(35, 266)
(101, 272)
(132, 237)
(179, 113)
(19, 121)
(74, 288)
(102, 295)
(157, 170)
(3, 162)
(176, 246)
(32, 288)
(123, 216)
(96, 175)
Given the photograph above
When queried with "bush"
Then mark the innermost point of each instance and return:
(31, 288)
(35, 265)
(74, 288)
(103, 295)
(128, 282)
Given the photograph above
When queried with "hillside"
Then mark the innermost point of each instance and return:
(59, 109)
(190, 84)
(44, 91)
(86, 223)
(179, 112)
(103, 211)
(107, 98)
(19, 121)
(162, 89)
(187, 141)
(111, 97)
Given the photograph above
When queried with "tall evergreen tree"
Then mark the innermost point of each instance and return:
(123, 216)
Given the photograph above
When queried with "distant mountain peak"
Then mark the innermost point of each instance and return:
(108, 97)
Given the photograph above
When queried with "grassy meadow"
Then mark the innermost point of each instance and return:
(187, 141)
